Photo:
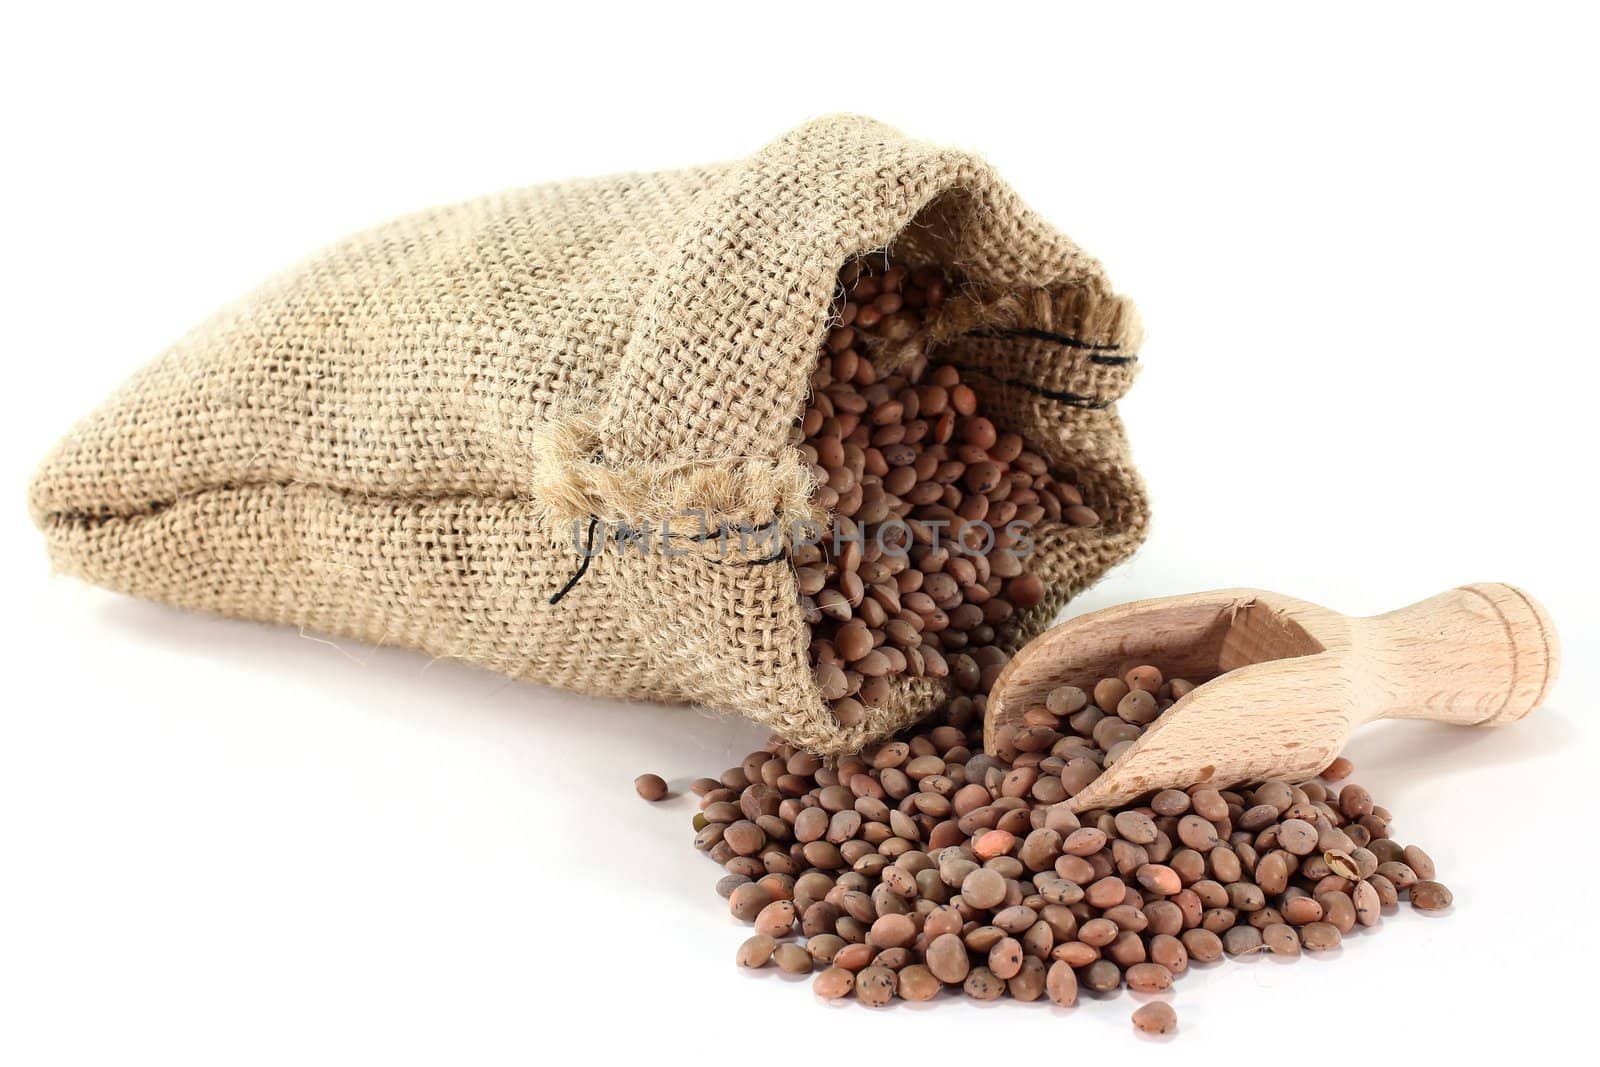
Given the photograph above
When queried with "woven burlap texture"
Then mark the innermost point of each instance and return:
(401, 439)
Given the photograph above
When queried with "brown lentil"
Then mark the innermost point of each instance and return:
(1337, 770)
(747, 901)
(1157, 1017)
(756, 951)
(1367, 903)
(1148, 978)
(1280, 939)
(1102, 976)
(824, 947)
(947, 959)
(983, 984)
(776, 919)
(893, 931)
(728, 883)
(652, 787)
(1029, 983)
(1419, 862)
(792, 959)
(1320, 936)
(1061, 983)
(983, 888)
(833, 983)
(1428, 895)
(916, 983)
(1241, 941)
(875, 986)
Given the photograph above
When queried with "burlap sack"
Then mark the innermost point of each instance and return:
(404, 438)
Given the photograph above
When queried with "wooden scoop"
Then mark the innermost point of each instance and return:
(1290, 680)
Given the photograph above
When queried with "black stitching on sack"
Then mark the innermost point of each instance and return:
(1088, 402)
(722, 529)
(594, 520)
(1076, 400)
(588, 554)
(1057, 338)
(1034, 334)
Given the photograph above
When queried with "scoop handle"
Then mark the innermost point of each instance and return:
(1480, 655)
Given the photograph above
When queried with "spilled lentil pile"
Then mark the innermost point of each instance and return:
(931, 506)
(923, 864)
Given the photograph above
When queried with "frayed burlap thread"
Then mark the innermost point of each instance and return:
(405, 438)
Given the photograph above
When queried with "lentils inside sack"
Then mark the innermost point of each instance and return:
(923, 866)
(930, 503)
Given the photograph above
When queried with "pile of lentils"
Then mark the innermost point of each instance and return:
(923, 864)
(919, 566)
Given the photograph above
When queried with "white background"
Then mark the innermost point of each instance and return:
(1364, 243)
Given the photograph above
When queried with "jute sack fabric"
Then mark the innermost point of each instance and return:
(411, 437)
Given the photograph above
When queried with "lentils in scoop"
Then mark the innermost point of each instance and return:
(922, 866)
(1089, 729)
(930, 505)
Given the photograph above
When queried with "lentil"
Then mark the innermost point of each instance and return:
(1156, 1017)
(833, 983)
(756, 951)
(876, 986)
(916, 983)
(651, 786)
(1430, 896)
